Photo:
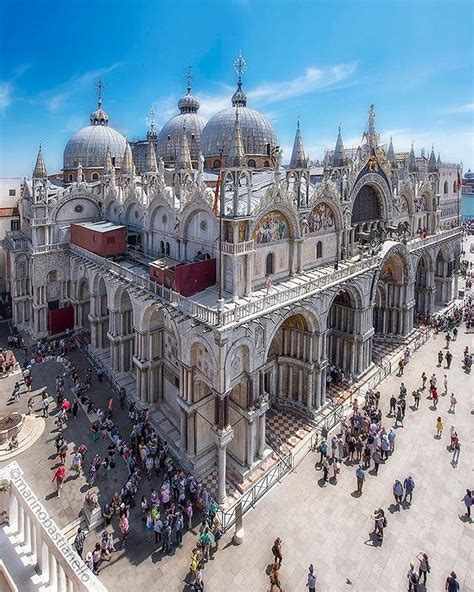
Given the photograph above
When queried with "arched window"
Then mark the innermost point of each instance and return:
(454, 187)
(251, 163)
(445, 190)
(216, 164)
(162, 246)
(95, 176)
(266, 164)
(70, 178)
(319, 250)
(366, 205)
(167, 249)
(113, 160)
(270, 264)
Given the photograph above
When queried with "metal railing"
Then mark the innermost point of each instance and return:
(227, 516)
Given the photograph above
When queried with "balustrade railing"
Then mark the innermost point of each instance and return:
(418, 243)
(59, 566)
(238, 248)
(52, 247)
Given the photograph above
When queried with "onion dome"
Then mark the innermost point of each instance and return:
(170, 138)
(89, 145)
(258, 136)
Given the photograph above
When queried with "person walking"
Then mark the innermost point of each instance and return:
(59, 476)
(311, 583)
(412, 578)
(323, 451)
(424, 378)
(397, 492)
(391, 439)
(468, 500)
(452, 584)
(30, 406)
(452, 404)
(447, 339)
(439, 427)
(393, 404)
(424, 567)
(445, 384)
(75, 408)
(277, 551)
(275, 583)
(325, 470)
(401, 366)
(449, 359)
(416, 397)
(360, 475)
(456, 451)
(124, 527)
(336, 467)
(79, 541)
(409, 486)
(440, 358)
(399, 417)
(435, 397)
(45, 404)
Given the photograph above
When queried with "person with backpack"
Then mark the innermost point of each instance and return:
(452, 584)
(323, 450)
(412, 578)
(277, 551)
(275, 578)
(311, 583)
(380, 522)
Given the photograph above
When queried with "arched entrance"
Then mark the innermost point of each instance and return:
(121, 333)
(290, 358)
(82, 307)
(424, 287)
(443, 277)
(100, 315)
(391, 299)
(341, 343)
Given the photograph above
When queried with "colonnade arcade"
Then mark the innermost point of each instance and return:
(394, 298)
(349, 334)
(291, 362)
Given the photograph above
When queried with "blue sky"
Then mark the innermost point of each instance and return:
(324, 62)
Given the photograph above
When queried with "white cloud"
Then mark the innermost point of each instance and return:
(313, 79)
(55, 98)
(468, 108)
(5, 95)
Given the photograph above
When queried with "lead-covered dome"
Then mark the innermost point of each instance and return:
(258, 135)
(169, 138)
(88, 146)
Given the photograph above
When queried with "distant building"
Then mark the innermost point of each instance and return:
(10, 193)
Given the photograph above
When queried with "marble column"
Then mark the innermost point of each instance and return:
(222, 470)
(40, 567)
(261, 435)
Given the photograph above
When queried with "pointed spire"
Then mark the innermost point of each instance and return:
(371, 135)
(236, 149)
(108, 167)
(339, 156)
(391, 153)
(40, 167)
(432, 165)
(127, 162)
(183, 158)
(412, 160)
(151, 164)
(298, 158)
(438, 162)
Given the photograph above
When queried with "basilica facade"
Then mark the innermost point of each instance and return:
(313, 265)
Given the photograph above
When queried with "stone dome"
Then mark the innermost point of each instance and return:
(257, 132)
(169, 137)
(88, 146)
